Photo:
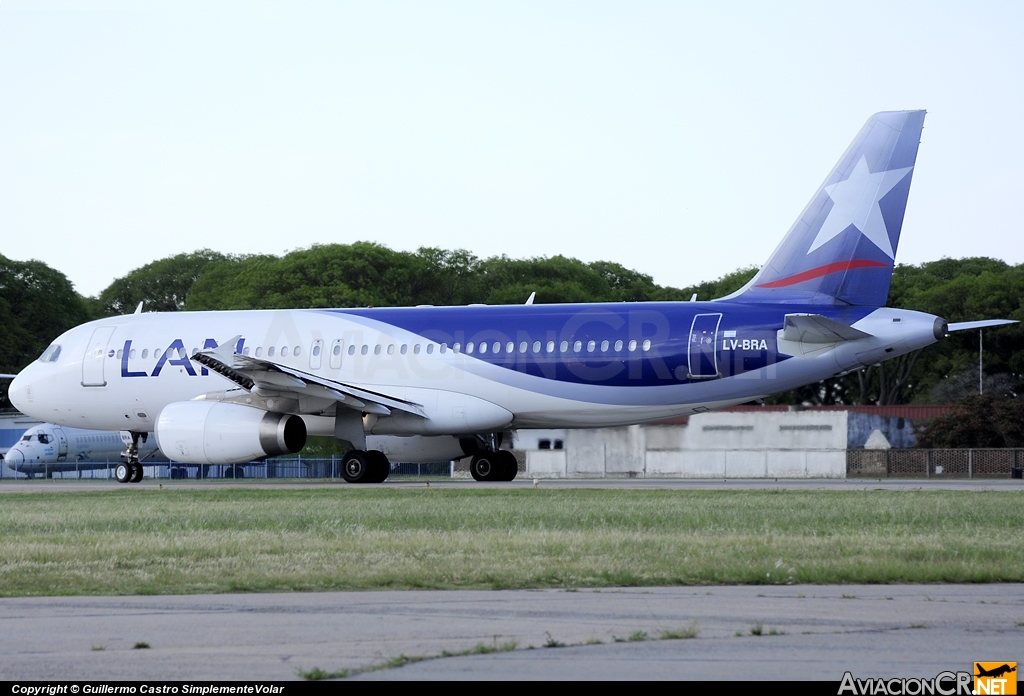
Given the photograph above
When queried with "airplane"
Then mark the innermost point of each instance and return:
(47, 449)
(438, 383)
(995, 672)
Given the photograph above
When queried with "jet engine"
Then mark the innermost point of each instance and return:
(211, 432)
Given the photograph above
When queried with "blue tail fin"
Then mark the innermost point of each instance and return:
(842, 249)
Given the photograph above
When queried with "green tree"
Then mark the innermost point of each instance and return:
(37, 304)
(977, 421)
(162, 285)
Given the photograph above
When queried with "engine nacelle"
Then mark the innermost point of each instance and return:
(211, 432)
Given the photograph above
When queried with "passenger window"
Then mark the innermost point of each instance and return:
(430, 348)
(270, 352)
(405, 348)
(457, 348)
(376, 349)
(391, 349)
(577, 346)
(496, 348)
(523, 346)
(618, 346)
(259, 351)
(337, 349)
(591, 345)
(443, 347)
(647, 345)
(469, 348)
(352, 349)
(416, 349)
(145, 353)
(120, 352)
(297, 352)
(284, 351)
(564, 347)
(316, 351)
(510, 347)
(364, 350)
(483, 347)
(245, 351)
(551, 346)
(536, 346)
(632, 346)
(604, 346)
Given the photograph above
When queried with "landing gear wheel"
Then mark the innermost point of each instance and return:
(486, 466)
(509, 465)
(123, 473)
(357, 467)
(136, 473)
(380, 466)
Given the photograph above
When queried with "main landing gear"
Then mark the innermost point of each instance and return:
(131, 471)
(358, 466)
(494, 466)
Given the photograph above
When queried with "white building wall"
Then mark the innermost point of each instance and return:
(801, 444)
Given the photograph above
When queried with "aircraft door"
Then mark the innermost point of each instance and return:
(703, 354)
(95, 357)
(62, 444)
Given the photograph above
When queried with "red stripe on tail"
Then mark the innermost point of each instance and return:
(823, 270)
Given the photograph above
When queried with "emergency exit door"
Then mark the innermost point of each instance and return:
(703, 354)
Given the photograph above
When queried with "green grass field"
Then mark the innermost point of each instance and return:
(349, 538)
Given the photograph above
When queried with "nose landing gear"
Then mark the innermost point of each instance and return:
(131, 471)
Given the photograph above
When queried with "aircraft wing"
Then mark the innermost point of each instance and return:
(7, 376)
(255, 374)
(966, 325)
(815, 328)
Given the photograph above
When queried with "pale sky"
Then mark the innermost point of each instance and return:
(679, 139)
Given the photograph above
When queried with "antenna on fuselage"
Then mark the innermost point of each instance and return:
(138, 310)
(693, 298)
(532, 295)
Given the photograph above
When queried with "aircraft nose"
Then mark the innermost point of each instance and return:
(19, 392)
(14, 457)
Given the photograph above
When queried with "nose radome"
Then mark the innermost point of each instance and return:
(17, 392)
(14, 457)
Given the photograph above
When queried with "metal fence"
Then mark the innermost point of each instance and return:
(291, 467)
(934, 463)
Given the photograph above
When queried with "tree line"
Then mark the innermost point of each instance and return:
(37, 303)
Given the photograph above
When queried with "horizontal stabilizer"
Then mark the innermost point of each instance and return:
(815, 328)
(968, 325)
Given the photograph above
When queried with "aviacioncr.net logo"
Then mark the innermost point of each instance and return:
(943, 684)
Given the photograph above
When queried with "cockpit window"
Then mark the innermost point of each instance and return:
(50, 354)
(44, 438)
(27, 438)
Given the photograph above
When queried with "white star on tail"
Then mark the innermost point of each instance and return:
(855, 201)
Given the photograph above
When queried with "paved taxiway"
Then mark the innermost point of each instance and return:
(856, 484)
(820, 631)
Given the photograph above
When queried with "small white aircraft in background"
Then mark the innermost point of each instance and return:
(48, 449)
